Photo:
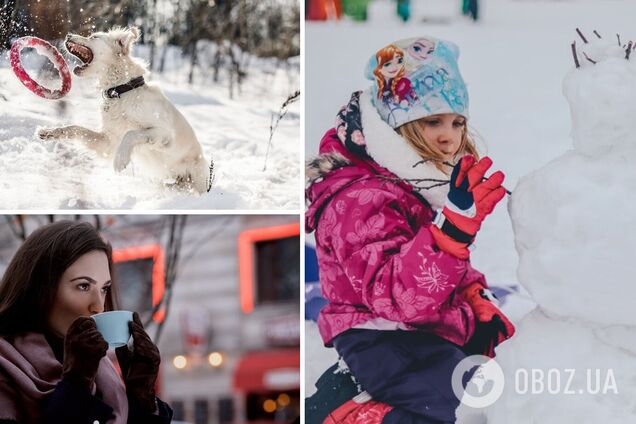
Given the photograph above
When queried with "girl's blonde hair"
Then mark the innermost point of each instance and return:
(412, 133)
(383, 56)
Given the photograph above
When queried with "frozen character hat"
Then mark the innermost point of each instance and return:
(417, 77)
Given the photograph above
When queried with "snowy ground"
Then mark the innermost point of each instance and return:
(235, 132)
(513, 61)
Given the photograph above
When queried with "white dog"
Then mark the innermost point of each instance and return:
(137, 119)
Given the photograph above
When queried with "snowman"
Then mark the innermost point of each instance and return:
(573, 358)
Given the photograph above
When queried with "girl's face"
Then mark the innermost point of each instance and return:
(81, 292)
(445, 131)
(391, 68)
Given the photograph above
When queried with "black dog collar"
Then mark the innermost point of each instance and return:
(116, 92)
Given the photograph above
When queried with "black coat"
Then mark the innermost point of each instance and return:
(73, 404)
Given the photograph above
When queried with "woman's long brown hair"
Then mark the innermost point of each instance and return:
(29, 284)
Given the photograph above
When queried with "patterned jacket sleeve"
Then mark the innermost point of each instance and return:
(397, 270)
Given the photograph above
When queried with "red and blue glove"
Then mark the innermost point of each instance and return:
(492, 327)
(471, 198)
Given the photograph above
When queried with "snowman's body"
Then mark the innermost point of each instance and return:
(575, 231)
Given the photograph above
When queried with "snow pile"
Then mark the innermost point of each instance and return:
(573, 221)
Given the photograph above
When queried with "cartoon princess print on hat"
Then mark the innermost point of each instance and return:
(421, 49)
(393, 86)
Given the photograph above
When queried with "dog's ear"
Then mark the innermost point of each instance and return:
(127, 39)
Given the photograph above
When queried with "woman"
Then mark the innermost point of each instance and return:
(53, 363)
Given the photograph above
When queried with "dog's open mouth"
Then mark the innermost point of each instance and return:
(82, 52)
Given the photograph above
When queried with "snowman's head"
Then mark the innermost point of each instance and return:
(573, 217)
(601, 91)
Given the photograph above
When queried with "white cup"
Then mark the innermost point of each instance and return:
(113, 326)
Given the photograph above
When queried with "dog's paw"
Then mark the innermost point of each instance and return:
(48, 133)
(121, 161)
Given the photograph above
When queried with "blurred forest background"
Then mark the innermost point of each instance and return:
(215, 35)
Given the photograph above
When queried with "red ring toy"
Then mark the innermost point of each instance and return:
(46, 49)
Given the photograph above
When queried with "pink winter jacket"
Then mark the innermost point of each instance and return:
(376, 255)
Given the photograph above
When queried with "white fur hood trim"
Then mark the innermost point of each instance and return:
(391, 151)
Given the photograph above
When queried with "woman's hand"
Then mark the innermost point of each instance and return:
(140, 367)
(84, 347)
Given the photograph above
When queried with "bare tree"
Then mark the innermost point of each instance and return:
(89, 16)
(49, 19)
(6, 21)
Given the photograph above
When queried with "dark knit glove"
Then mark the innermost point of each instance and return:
(84, 347)
(470, 199)
(140, 367)
(492, 327)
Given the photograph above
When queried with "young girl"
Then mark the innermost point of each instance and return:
(53, 364)
(396, 199)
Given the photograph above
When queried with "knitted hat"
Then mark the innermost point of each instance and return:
(417, 77)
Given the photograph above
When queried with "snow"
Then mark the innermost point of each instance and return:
(580, 272)
(318, 358)
(575, 255)
(233, 131)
